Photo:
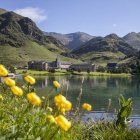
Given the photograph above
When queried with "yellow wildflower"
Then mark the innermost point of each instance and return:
(9, 82)
(62, 104)
(51, 119)
(17, 90)
(29, 79)
(34, 99)
(68, 105)
(1, 97)
(87, 107)
(3, 71)
(56, 84)
(63, 122)
(59, 99)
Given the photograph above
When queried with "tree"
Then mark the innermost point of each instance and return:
(101, 69)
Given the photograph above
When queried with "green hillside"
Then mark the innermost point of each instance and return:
(103, 50)
(133, 39)
(21, 41)
(102, 58)
(30, 51)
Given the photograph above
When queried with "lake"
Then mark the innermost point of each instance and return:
(96, 91)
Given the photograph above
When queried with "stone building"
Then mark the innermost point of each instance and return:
(83, 67)
(42, 65)
(37, 65)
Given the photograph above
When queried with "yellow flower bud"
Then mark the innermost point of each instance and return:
(63, 122)
(51, 119)
(3, 71)
(1, 97)
(87, 107)
(9, 82)
(49, 109)
(34, 99)
(56, 84)
(29, 79)
(17, 91)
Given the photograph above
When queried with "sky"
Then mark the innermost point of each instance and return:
(95, 17)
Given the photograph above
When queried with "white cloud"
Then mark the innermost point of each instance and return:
(36, 14)
(114, 25)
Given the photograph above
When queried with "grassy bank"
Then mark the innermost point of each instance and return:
(63, 72)
(42, 73)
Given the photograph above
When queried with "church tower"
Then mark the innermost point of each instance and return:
(58, 63)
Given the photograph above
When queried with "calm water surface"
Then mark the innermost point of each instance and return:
(96, 91)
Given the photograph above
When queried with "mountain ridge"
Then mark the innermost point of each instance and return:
(133, 39)
(71, 40)
(21, 34)
(110, 48)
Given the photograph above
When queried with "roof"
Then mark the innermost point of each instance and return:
(83, 64)
(34, 61)
(111, 64)
(65, 63)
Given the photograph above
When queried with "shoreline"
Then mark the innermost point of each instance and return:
(63, 73)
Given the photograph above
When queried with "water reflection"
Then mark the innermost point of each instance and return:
(96, 90)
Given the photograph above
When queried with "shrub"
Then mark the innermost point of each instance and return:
(101, 69)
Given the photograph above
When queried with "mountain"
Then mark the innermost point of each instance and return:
(15, 29)
(107, 49)
(21, 40)
(133, 39)
(2, 11)
(71, 40)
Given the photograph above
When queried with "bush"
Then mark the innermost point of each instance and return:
(88, 71)
(79, 70)
(52, 70)
(101, 69)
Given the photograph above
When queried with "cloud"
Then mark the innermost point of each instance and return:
(114, 25)
(36, 14)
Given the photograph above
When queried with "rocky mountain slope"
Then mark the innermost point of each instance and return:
(21, 40)
(72, 40)
(133, 39)
(109, 48)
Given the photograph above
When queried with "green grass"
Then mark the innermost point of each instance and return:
(99, 57)
(30, 51)
(104, 130)
(43, 73)
(101, 74)
(64, 72)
